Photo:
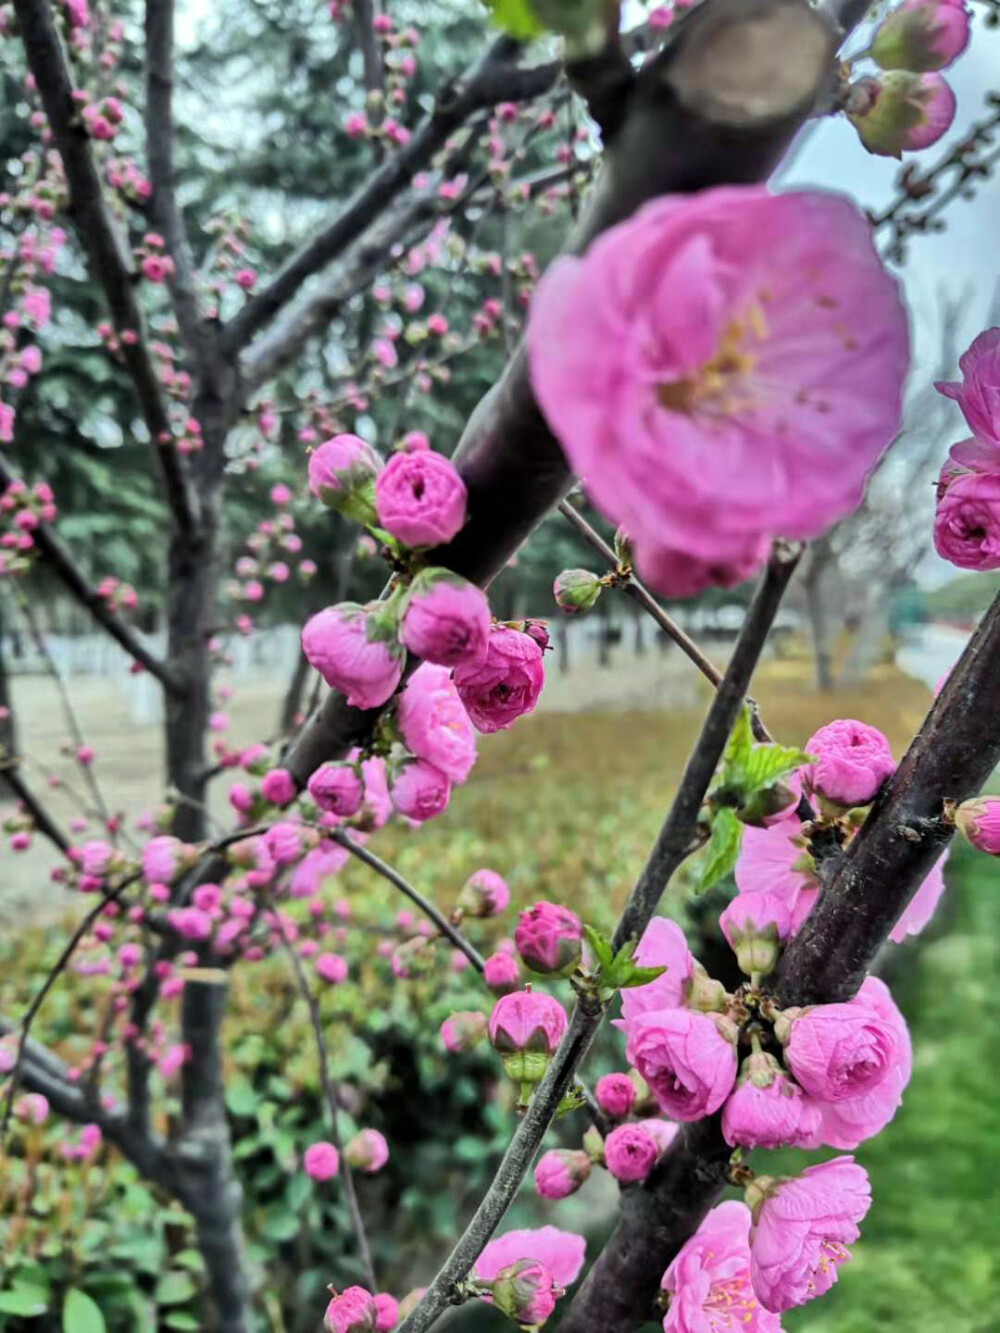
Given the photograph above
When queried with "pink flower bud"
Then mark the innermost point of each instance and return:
(978, 820)
(687, 1058)
(615, 1095)
(330, 967)
(921, 35)
(525, 1028)
(560, 1173)
(240, 797)
(190, 922)
(853, 760)
(355, 650)
(504, 685)
(524, 1291)
(630, 1153)
(900, 112)
(337, 788)
(386, 1312)
(321, 1161)
(282, 843)
(501, 974)
(31, 1109)
(484, 894)
(367, 1151)
(353, 1311)
(756, 925)
(446, 619)
(420, 499)
(419, 791)
(576, 590)
(278, 787)
(767, 1110)
(549, 939)
(463, 1031)
(342, 473)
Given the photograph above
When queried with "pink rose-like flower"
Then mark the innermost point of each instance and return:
(342, 474)
(921, 35)
(95, 858)
(615, 1095)
(766, 1109)
(561, 1252)
(367, 1151)
(801, 1227)
(446, 620)
(190, 922)
(978, 392)
(504, 685)
(710, 1277)
(321, 863)
(662, 945)
(419, 791)
(463, 1031)
(967, 521)
(686, 1058)
(630, 1153)
(842, 1051)
(354, 648)
(278, 787)
(922, 905)
(321, 1161)
(420, 499)
(386, 1312)
(707, 395)
(549, 939)
(484, 894)
(434, 724)
(353, 1311)
(501, 974)
(900, 111)
(283, 842)
(331, 968)
(560, 1172)
(755, 926)
(338, 789)
(852, 761)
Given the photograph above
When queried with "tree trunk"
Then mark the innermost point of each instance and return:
(8, 726)
(291, 707)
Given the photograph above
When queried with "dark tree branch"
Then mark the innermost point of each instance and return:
(44, 823)
(99, 237)
(164, 213)
(371, 52)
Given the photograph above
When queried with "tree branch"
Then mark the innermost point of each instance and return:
(371, 53)
(44, 823)
(99, 237)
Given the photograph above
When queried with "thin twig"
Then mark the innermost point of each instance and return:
(44, 823)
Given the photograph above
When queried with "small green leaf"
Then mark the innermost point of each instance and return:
(600, 946)
(182, 1320)
(241, 1099)
(174, 1288)
(24, 1301)
(765, 764)
(80, 1314)
(516, 17)
(640, 976)
(740, 744)
(723, 849)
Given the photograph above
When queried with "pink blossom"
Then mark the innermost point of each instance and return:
(85, 755)
(321, 1161)
(549, 939)
(437, 324)
(386, 1312)
(245, 278)
(900, 111)
(96, 857)
(687, 1058)
(774, 860)
(207, 897)
(355, 124)
(967, 521)
(341, 473)
(278, 787)
(7, 416)
(505, 684)
(525, 1292)
(462, 1031)
(330, 967)
(419, 791)
(560, 1173)
(283, 842)
(354, 649)
(662, 945)
(921, 35)
(709, 1280)
(337, 788)
(367, 1151)
(978, 820)
(240, 797)
(766, 1109)
(32, 1109)
(322, 863)
(353, 1311)
(434, 724)
(853, 760)
(501, 974)
(485, 893)
(842, 1051)
(800, 1231)
(446, 620)
(172, 1060)
(677, 574)
(420, 498)
(561, 1252)
(755, 926)
(527, 1020)
(385, 353)
(378, 805)
(615, 1095)
(922, 905)
(190, 922)
(978, 392)
(630, 1153)
(709, 396)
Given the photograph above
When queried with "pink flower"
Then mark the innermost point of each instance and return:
(484, 894)
(766, 1109)
(420, 499)
(499, 689)
(240, 797)
(386, 1312)
(922, 905)
(85, 756)
(190, 922)
(561, 1252)
(774, 861)
(316, 866)
(355, 124)
(630, 1153)
(353, 1311)
(501, 974)
(662, 1132)
(853, 760)
(446, 620)
(842, 1051)
(800, 1229)
(525, 1292)
(900, 111)
(278, 787)
(921, 35)
(708, 396)
(378, 806)
(173, 1059)
(525, 1028)
(662, 945)
(245, 278)
(419, 790)
(434, 724)
(967, 522)
(709, 1280)
(283, 842)
(560, 1173)
(755, 926)
(615, 1095)
(338, 789)
(96, 857)
(330, 967)
(321, 1161)
(677, 574)
(367, 1151)
(354, 649)
(549, 939)
(978, 820)
(342, 473)
(462, 1031)
(687, 1059)
(978, 393)
(32, 1109)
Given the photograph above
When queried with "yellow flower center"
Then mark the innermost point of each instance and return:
(721, 384)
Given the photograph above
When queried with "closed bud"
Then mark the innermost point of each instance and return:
(524, 1291)
(576, 590)
(756, 925)
(702, 992)
(624, 549)
(525, 1029)
(899, 111)
(979, 822)
(353, 1311)
(342, 474)
(485, 893)
(463, 1031)
(560, 1172)
(921, 36)
(549, 939)
(593, 1145)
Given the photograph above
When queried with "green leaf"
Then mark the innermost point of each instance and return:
(600, 946)
(640, 976)
(24, 1301)
(723, 849)
(516, 17)
(80, 1314)
(740, 744)
(181, 1319)
(241, 1099)
(174, 1288)
(765, 764)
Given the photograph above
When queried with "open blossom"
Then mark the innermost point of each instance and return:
(967, 522)
(662, 945)
(367, 1151)
(852, 761)
(801, 1228)
(560, 1172)
(321, 863)
(709, 1280)
(630, 1153)
(767, 1109)
(419, 791)
(504, 685)
(353, 1311)
(687, 1058)
(355, 650)
(678, 574)
(446, 619)
(549, 938)
(420, 498)
(338, 789)
(708, 394)
(434, 724)
(561, 1252)
(161, 859)
(978, 392)
(774, 860)
(321, 1161)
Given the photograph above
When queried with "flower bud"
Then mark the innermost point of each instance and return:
(560, 1172)
(463, 1031)
(421, 499)
(615, 1095)
(630, 1153)
(446, 619)
(756, 925)
(703, 992)
(979, 821)
(342, 474)
(355, 650)
(502, 974)
(576, 590)
(525, 1028)
(921, 36)
(337, 789)
(524, 1291)
(899, 111)
(353, 1311)
(549, 939)
(485, 893)
(367, 1151)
